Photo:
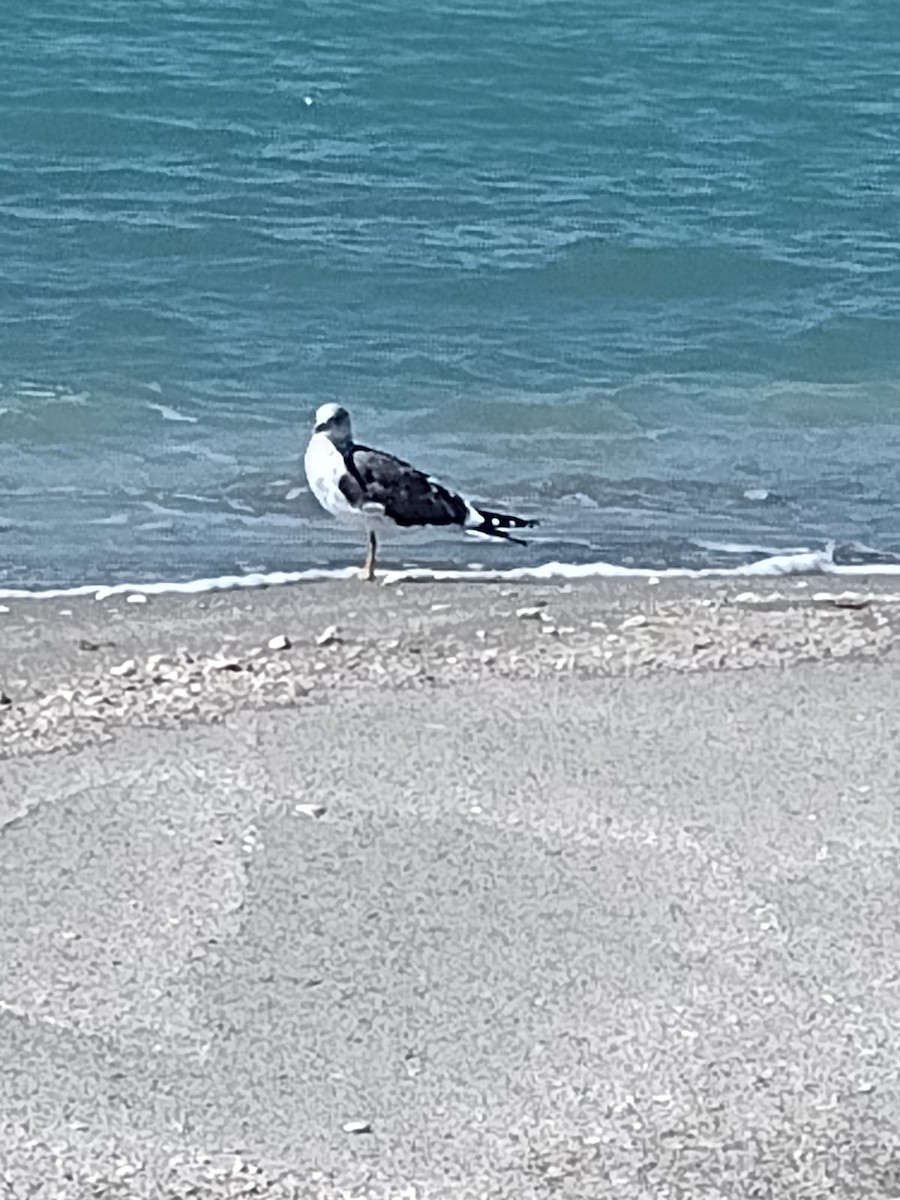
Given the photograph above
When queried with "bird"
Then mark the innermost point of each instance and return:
(379, 492)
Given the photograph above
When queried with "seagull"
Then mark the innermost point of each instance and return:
(380, 492)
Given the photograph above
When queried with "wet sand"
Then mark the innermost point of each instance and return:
(455, 890)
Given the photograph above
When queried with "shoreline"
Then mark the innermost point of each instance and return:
(789, 564)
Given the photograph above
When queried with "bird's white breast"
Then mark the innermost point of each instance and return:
(324, 466)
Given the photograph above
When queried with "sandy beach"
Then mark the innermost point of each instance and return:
(452, 890)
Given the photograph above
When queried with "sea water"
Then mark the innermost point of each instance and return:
(633, 270)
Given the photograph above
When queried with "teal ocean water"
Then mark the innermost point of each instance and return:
(632, 269)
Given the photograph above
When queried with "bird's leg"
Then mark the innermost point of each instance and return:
(368, 568)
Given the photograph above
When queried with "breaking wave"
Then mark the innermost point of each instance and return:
(814, 562)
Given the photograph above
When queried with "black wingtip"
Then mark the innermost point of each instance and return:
(498, 525)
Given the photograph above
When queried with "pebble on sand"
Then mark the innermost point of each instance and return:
(279, 642)
(128, 667)
(223, 663)
(360, 1126)
(329, 636)
(310, 810)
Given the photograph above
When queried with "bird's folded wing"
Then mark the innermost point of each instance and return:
(379, 481)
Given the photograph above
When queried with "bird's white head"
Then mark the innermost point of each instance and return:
(334, 422)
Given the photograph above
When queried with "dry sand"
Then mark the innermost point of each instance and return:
(467, 891)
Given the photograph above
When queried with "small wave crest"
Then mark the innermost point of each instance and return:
(172, 414)
(813, 562)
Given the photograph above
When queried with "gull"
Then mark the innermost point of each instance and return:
(379, 492)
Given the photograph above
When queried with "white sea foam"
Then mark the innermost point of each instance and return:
(747, 548)
(818, 562)
(813, 562)
(194, 499)
(172, 414)
(117, 518)
(190, 587)
(155, 526)
(37, 393)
